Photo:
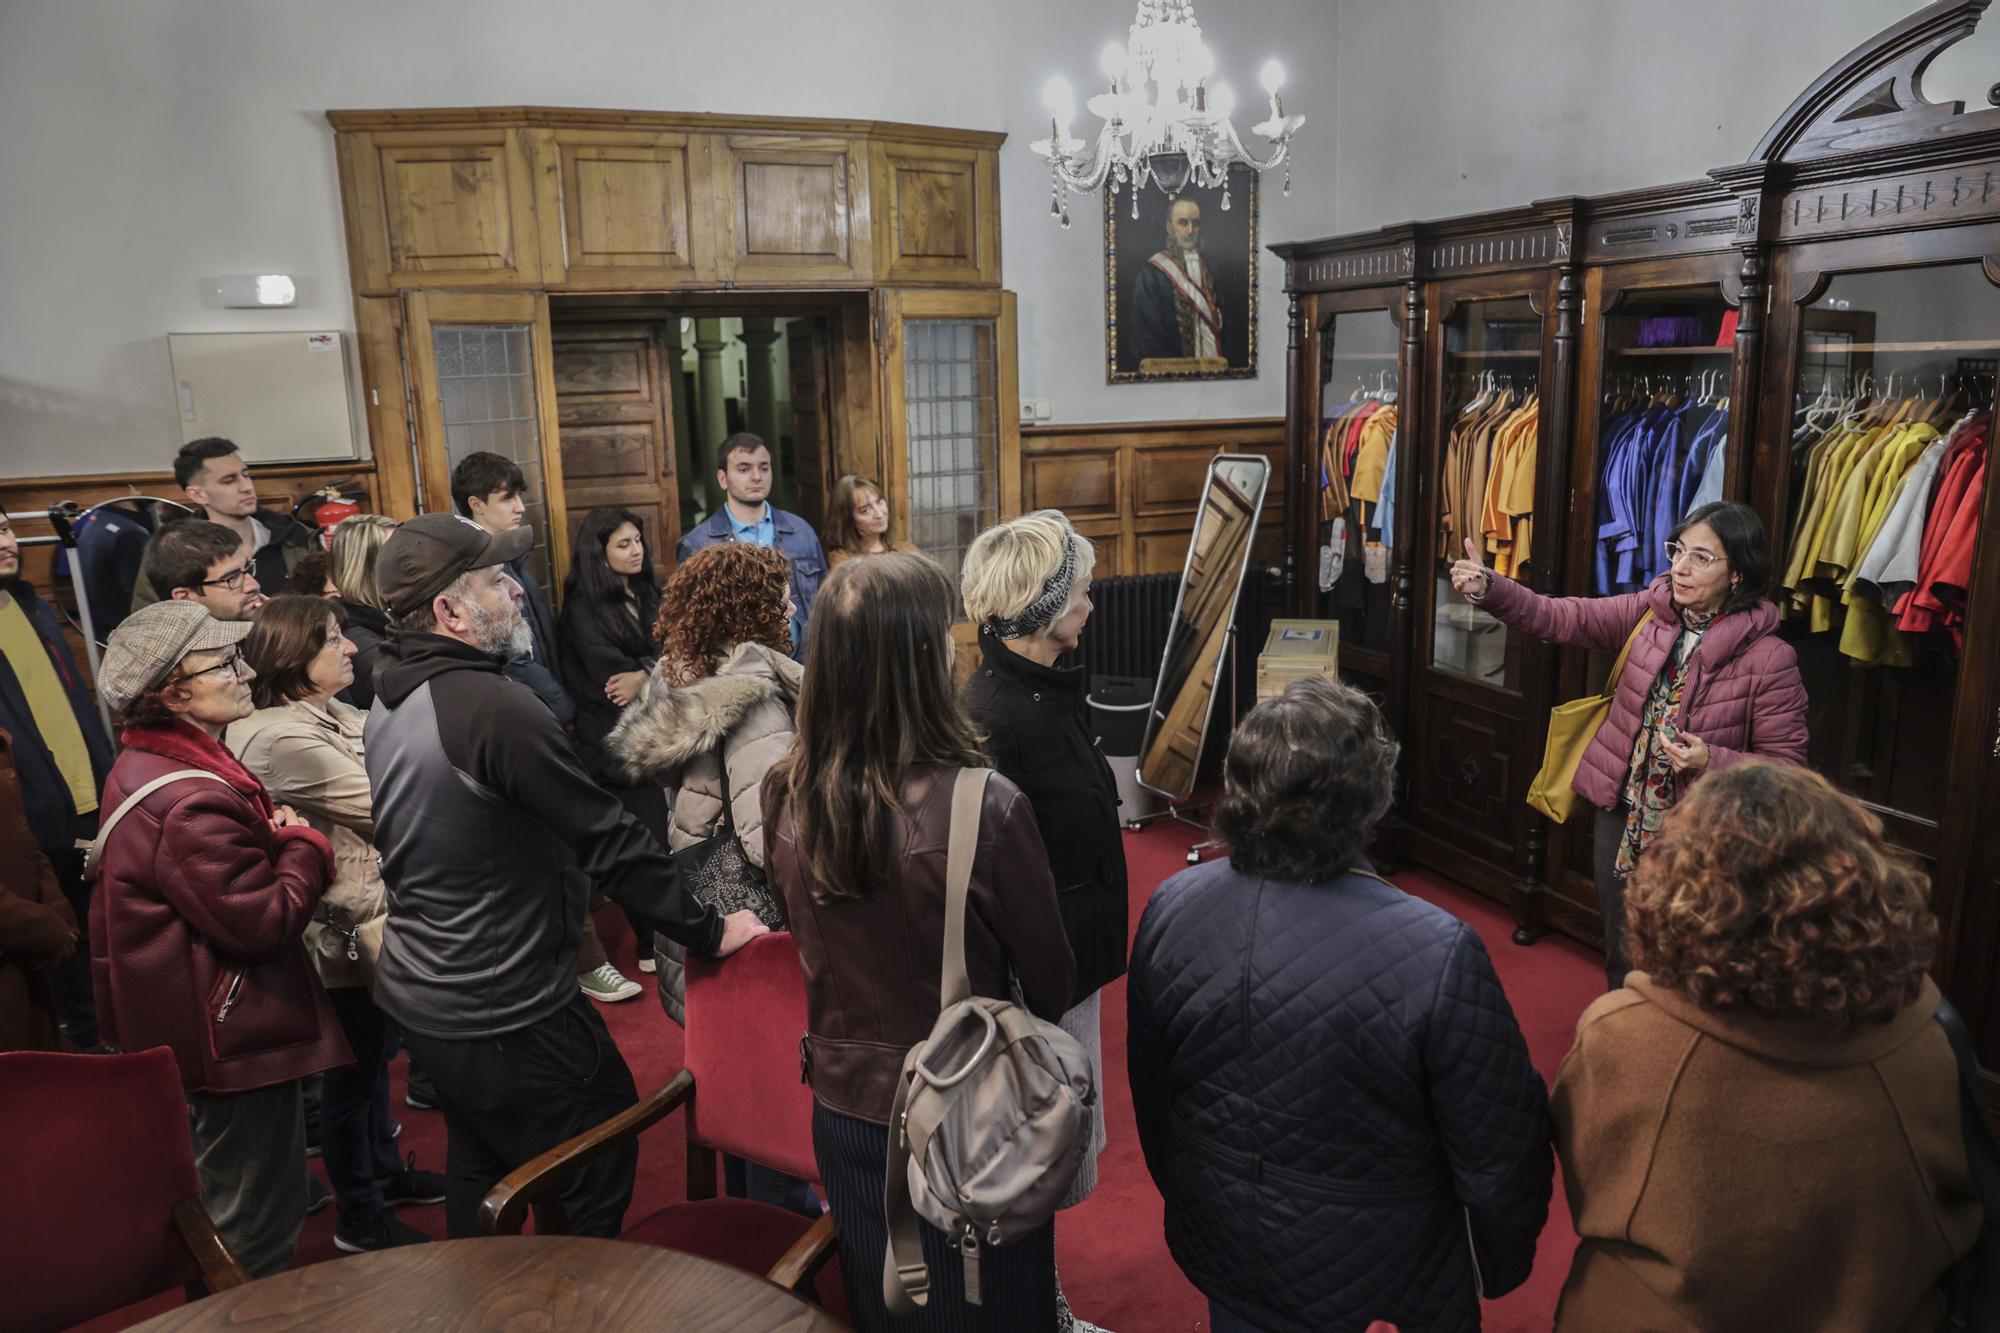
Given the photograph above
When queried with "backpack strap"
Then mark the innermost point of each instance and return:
(967, 794)
(906, 1279)
(96, 853)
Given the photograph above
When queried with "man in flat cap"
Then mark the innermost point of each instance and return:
(491, 834)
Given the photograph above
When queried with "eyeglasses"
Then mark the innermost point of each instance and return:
(233, 580)
(234, 664)
(1698, 559)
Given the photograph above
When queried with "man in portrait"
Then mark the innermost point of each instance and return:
(1175, 309)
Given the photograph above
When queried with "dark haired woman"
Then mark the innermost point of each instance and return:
(1306, 1042)
(305, 746)
(204, 889)
(1762, 1128)
(604, 652)
(861, 815)
(1708, 683)
(857, 521)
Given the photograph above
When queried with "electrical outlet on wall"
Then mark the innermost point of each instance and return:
(1027, 409)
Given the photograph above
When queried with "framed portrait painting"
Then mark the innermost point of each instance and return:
(1180, 283)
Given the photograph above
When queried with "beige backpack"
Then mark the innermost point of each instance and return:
(992, 1112)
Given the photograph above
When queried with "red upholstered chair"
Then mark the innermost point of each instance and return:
(741, 1088)
(100, 1205)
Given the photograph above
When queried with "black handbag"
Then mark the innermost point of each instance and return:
(716, 871)
(1972, 1285)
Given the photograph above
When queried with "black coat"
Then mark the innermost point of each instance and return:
(52, 815)
(537, 670)
(366, 629)
(592, 648)
(1038, 737)
(1336, 1102)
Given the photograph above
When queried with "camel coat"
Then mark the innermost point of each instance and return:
(1730, 1173)
(312, 761)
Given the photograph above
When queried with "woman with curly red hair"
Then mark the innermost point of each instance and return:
(1761, 1129)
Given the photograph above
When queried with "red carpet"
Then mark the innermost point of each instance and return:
(1110, 1250)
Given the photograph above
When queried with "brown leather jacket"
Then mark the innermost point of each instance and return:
(872, 963)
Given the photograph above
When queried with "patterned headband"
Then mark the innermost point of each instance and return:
(1042, 612)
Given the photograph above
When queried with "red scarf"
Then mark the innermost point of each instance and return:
(185, 743)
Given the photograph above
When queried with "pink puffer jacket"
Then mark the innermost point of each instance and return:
(1743, 694)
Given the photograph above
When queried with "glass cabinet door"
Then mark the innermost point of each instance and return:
(1356, 443)
(1884, 477)
(1488, 437)
(1663, 426)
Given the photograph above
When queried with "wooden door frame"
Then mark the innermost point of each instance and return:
(424, 310)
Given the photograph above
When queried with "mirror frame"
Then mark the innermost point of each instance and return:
(1206, 664)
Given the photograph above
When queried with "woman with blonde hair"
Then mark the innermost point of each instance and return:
(350, 567)
(857, 521)
(1026, 584)
(1761, 1129)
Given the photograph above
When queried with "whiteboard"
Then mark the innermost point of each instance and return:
(282, 397)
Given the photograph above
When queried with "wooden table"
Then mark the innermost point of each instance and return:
(512, 1282)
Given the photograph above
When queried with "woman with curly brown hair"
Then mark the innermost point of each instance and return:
(1761, 1129)
(715, 712)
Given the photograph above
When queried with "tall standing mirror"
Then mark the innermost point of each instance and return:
(1177, 724)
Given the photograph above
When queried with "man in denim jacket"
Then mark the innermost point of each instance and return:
(743, 470)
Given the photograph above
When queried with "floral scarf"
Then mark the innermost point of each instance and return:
(1651, 785)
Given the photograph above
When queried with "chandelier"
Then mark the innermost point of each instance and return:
(1163, 123)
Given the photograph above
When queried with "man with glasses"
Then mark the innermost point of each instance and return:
(198, 561)
(61, 753)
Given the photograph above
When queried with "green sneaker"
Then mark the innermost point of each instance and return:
(608, 985)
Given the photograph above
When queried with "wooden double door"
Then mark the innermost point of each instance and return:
(913, 387)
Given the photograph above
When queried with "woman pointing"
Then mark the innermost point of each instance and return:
(1707, 683)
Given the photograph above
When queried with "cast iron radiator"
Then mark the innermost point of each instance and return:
(1127, 630)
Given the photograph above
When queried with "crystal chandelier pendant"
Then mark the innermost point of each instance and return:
(1162, 119)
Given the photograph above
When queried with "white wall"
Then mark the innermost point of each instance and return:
(1456, 106)
(150, 145)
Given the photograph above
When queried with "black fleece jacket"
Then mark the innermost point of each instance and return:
(491, 835)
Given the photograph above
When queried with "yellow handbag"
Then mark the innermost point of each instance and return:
(1572, 726)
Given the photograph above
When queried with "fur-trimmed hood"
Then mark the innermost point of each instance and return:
(667, 726)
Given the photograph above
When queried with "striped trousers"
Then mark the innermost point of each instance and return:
(1017, 1281)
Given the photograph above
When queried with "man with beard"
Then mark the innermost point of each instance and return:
(491, 834)
(1175, 312)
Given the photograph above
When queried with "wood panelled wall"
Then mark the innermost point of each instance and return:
(1133, 488)
(278, 488)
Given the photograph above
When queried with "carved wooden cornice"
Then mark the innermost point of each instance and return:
(694, 121)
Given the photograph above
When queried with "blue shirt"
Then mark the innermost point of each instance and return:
(761, 533)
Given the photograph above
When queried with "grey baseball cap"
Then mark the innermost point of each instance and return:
(423, 557)
(149, 644)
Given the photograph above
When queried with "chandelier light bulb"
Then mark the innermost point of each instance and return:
(1060, 100)
(1201, 63)
(1112, 61)
(1222, 100)
(1272, 77)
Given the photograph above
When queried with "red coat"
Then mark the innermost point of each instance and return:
(1743, 694)
(196, 925)
(36, 928)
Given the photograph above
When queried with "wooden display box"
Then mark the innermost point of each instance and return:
(1297, 649)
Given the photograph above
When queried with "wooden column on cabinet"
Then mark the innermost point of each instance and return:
(1299, 538)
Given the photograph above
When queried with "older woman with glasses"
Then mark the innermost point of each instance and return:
(204, 890)
(1707, 684)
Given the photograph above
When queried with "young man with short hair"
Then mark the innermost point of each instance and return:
(212, 474)
(491, 491)
(491, 835)
(193, 560)
(61, 752)
(743, 470)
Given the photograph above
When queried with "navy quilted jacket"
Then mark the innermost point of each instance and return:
(1336, 1102)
